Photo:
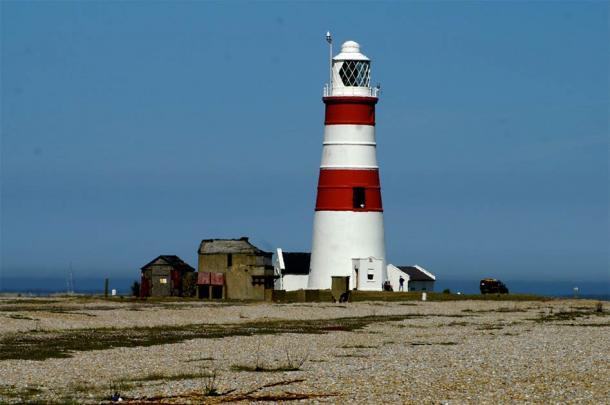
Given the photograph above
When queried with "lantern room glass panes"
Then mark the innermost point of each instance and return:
(355, 73)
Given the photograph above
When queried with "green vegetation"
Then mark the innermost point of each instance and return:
(135, 289)
(41, 345)
(264, 368)
(166, 377)
(61, 309)
(28, 301)
(436, 296)
(19, 316)
(599, 307)
(460, 323)
(210, 386)
(568, 315)
(253, 395)
(490, 327)
(433, 343)
(593, 325)
(24, 395)
(202, 359)
(358, 347)
(502, 309)
(288, 364)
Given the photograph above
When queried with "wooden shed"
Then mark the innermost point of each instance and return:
(234, 269)
(164, 276)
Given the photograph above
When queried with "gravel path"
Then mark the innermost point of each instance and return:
(459, 352)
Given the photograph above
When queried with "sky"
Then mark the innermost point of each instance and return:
(133, 129)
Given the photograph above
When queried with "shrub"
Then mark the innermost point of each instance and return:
(599, 307)
(135, 289)
(210, 388)
(291, 364)
(446, 291)
(189, 285)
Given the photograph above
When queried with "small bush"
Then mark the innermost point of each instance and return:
(599, 307)
(291, 364)
(116, 388)
(189, 285)
(135, 289)
(446, 291)
(210, 386)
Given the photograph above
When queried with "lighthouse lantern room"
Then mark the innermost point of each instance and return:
(348, 234)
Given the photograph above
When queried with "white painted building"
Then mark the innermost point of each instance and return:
(292, 269)
(394, 275)
(367, 273)
(416, 278)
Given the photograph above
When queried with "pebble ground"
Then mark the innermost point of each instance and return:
(458, 353)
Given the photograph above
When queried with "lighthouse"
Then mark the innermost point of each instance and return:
(348, 236)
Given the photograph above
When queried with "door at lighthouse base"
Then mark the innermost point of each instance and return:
(367, 274)
(339, 286)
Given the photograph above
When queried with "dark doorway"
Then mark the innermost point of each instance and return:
(217, 292)
(204, 292)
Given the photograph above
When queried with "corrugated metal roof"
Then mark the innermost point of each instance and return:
(241, 245)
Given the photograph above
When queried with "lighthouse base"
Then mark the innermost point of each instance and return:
(341, 237)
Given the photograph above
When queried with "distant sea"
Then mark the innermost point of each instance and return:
(46, 286)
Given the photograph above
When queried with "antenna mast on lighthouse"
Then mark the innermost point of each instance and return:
(329, 39)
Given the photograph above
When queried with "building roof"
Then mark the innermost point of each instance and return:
(241, 245)
(296, 262)
(170, 260)
(417, 273)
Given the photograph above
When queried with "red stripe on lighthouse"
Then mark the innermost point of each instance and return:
(350, 110)
(338, 190)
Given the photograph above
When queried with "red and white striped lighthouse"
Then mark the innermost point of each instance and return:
(348, 235)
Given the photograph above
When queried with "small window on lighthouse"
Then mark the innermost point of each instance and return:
(358, 196)
(355, 73)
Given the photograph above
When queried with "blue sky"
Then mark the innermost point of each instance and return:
(132, 129)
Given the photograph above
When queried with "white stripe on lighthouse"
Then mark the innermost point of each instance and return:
(349, 133)
(349, 146)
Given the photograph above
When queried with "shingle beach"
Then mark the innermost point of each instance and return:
(555, 351)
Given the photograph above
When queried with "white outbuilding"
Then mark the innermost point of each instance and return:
(292, 269)
(416, 278)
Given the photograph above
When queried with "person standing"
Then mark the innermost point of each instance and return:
(401, 282)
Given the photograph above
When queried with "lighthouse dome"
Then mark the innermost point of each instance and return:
(350, 50)
(350, 46)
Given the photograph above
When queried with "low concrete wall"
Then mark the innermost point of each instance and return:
(389, 296)
(356, 296)
(302, 296)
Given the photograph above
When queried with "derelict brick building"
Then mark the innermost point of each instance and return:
(240, 269)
